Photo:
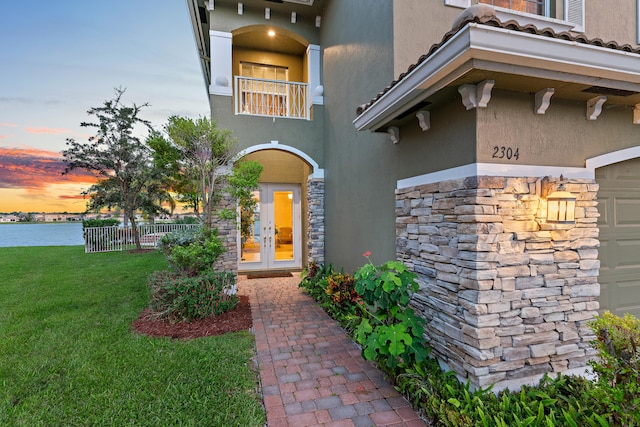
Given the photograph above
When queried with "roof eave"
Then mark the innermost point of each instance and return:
(439, 64)
(475, 44)
(199, 38)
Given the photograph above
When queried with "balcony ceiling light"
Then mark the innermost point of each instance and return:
(271, 33)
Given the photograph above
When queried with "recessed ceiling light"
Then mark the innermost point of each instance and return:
(271, 33)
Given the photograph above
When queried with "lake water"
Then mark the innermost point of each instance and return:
(52, 234)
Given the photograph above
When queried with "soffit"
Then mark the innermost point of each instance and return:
(306, 7)
(301, 7)
(518, 58)
(257, 39)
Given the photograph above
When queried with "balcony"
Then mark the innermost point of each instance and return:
(272, 98)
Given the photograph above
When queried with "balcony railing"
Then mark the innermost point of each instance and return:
(272, 98)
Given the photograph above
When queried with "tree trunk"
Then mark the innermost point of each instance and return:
(134, 230)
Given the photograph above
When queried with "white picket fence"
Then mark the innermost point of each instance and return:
(112, 239)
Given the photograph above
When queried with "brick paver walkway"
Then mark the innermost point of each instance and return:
(312, 373)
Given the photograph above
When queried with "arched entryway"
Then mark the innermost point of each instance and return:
(278, 233)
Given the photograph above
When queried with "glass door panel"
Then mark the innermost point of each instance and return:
(250, 232)
(283, 216)
(270, 234)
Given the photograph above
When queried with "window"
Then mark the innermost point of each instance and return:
(263, 92)
(535, 7)
(261, 71)
(541, 13)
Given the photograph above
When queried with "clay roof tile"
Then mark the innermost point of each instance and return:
(485, 15)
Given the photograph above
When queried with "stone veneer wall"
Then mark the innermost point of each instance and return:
(506, 296)
(315, 218)
(228, 232)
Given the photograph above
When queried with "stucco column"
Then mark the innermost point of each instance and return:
(313, 70)
(221, 63)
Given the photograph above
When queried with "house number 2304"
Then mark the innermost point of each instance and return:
(502, 152)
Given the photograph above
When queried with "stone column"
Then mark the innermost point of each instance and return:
(315, 230)
(506, 295)
(228, 233)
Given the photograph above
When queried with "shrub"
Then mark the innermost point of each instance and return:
(618, 365)
(341, 288)
(177, 238)
(109, 222)
(177, 298)
(561, 401)
(314, 280)
(187, 220)
(191, 252)
(341, 300)
(391, 334)
(335, 292)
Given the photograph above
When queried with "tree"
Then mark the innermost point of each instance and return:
(167, 158)
(121, 162)
(197, 156)
(201, 153)
(242, 182)
(159, 191)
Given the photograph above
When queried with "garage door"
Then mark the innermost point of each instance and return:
(619, 222)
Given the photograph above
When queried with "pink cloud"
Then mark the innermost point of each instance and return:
(47, 130)
(3, 136)
(34, 169)
(72, 197)
(9, 125)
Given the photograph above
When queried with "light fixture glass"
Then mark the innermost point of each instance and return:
(561, 206)
(271, 33)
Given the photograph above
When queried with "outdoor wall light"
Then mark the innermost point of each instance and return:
(561, 206)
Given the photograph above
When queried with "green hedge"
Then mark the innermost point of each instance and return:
(110, 222)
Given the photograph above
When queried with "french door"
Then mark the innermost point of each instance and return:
(270, 235)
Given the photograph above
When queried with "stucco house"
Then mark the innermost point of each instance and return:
(494, 148)
(9, 218)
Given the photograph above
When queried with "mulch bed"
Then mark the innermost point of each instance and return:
(238, 319)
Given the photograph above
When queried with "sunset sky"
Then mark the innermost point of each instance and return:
(60, 58)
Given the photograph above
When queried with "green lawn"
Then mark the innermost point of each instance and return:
(68, 356)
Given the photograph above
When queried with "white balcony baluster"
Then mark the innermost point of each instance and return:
(272, 98)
